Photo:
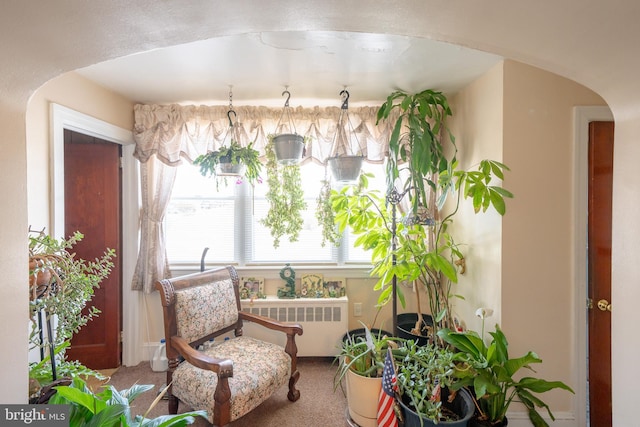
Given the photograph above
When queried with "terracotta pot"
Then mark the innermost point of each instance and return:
(39, 282)
(362, 399)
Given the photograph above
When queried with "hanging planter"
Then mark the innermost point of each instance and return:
(345, 161)
(232, 160)
(227, 167)
(345, 168)
(288, 147)
(285, 197)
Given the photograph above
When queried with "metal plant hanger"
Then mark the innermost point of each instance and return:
(345, 164)
(286, 114)
(288, 147)
(232, 130)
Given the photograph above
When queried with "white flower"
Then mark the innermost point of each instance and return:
(483, 313)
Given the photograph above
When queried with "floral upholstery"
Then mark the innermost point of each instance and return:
(259, 368)
(202, 310)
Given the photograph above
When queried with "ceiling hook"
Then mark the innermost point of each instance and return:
(345, 102)
(229, 117)
(286, 103)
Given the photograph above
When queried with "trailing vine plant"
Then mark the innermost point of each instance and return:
(325, 214)
(285, 197)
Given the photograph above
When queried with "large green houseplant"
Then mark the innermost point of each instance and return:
(231, 160)
(414, 244)
(60, 286)
(491, 374)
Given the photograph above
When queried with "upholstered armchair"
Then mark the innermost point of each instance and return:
(234, 374)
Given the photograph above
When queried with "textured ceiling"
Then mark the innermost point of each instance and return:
(313, 65)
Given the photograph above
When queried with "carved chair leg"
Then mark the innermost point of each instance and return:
(173, 401)
(173, 404)
(294, 394)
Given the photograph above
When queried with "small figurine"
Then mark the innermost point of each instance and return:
(289, 276)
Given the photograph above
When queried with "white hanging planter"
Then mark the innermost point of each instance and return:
(230, 169)
(345, 168)
(289, 148)
(345, 161)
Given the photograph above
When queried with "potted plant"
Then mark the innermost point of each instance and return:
(326, 216)
(233, 160)
(414, 245)
(488, 371)
(111, 407)
(426, 385)
(360, 364)
(345, 162)
(60, 286)
(285, 197)
(288, 147)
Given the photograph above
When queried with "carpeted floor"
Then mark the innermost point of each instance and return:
(318, 406)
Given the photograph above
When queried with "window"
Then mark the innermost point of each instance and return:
(227, 221)
(200, 217)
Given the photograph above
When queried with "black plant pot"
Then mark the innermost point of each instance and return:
(475, 422)
(355, 333)
(462, 406)
(407, 321)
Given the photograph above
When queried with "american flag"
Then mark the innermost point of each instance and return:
(386, 402)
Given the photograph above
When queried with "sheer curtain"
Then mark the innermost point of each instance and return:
(167, 135)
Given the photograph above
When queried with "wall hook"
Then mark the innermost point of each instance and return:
(345, 101)
(229, 117)
(286, 103)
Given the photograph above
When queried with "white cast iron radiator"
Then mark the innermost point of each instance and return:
(324, 321)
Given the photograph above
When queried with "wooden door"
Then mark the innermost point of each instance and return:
(599, 241)
(92, 193)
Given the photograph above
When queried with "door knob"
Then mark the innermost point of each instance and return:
(604, 305)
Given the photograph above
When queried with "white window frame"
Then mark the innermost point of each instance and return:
(243, 229)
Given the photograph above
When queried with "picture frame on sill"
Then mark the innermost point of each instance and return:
(251, 287)
(335, 288)
(312, 286)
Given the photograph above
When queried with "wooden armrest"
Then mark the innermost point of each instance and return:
(223, 367)
(288, 328)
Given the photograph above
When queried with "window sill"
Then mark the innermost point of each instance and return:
(354, 271)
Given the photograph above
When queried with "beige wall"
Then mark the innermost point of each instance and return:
(522, 265)
(13, 253)
(478, 126)
(77, 93)
(538, 305)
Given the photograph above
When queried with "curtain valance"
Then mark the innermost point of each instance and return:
(175, 132)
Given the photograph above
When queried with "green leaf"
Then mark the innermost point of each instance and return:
(497, 201)
(86, 400)
(538, 385)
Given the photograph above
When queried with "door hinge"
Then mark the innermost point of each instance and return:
(121, 336)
